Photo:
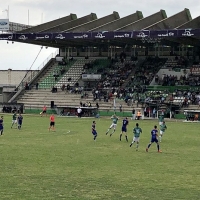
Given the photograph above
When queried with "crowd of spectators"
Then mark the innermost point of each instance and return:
(12, 109)
(187, 97)
(145, 73)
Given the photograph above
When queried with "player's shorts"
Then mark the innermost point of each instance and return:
(94, 132)
(124, 129)
(154, 140)
(20, 123)
(14, 121)
(1, 128)
(136, 139)
(113, 125)
(161, 132)
(44, 111)
(52, 123)
(160, 123)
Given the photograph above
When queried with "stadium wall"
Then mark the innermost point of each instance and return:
(13, 77)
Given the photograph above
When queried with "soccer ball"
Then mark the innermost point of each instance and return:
(40, 113)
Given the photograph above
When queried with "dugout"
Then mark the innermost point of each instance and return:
(12, 107)
(72, 111)
(192, 115)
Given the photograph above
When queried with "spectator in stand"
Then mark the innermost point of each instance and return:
(62, 71)
(63, 87)
(97, 105)
(36, 86)
(54, 89)
(120, 107)
(81, 104)
(27, 86)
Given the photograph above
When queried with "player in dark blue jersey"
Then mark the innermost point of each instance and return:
(124, 129)
(19, 121)
(1, 125)
(94, 132)
(154, 138)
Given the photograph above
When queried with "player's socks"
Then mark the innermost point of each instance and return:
(126, 138)
(112, 132)
(120, 137)
(158, 147)
(132, 143)
(137, 146)
(107, 131)
(95, 137)
(149, 145)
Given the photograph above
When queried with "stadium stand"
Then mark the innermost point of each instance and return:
(160, 58)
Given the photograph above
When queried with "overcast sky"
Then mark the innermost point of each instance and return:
(22, 56)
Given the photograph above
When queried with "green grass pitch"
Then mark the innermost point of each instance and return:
(43, 165)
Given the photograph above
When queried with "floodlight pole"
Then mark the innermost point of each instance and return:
(28, 17)
(7, 10)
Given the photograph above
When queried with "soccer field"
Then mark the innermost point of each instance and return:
(69, 164)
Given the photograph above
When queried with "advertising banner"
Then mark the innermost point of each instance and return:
(4, 24)
(91, 76)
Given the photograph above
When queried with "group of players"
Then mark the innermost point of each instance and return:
(155, 136)
(16, 122)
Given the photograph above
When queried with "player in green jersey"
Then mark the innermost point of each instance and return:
(113, 125)
(136, 131)
(163, 127)
(14, 119)
(161, 119)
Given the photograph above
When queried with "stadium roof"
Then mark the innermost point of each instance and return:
(133, 29)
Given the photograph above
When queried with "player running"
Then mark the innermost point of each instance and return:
(124, 129)
(114, 124)
(44, 111)
(163, 127)
(1, 125)
(14, 119)
(154, 138)
(161, 119)
(19, 120)
(136, 131)
(52, 122)
(94, 132)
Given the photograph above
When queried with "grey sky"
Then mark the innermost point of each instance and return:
(21, 56)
